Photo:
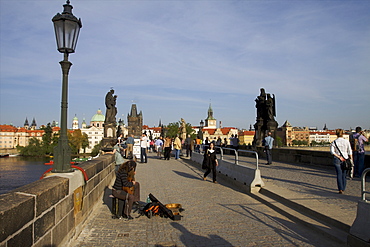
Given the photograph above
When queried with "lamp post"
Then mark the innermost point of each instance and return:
(67, 28)
(201, 129)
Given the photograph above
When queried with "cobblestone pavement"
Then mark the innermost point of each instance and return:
(215, 214)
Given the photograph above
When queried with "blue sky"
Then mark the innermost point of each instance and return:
(172, 58)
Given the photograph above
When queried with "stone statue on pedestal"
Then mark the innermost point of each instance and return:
(183, 129)
(110, 123)
(265, 121)
(110, 103)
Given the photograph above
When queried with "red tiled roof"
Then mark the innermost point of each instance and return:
(210, 131)
(7, 128)
(247, 133)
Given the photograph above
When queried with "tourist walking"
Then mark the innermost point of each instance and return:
(224, 144)
(357, 141)
(167, 145)
(236, 142)
(177, 147)
(341, 149)
(130, 146)
(143, 147)
(197, 143)
(158, 147)
(189, 145)
(268, 147)
(210, 162)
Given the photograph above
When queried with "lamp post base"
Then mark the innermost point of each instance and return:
(62, 158)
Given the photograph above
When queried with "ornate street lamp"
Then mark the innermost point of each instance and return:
(201, 129)
(67, 28)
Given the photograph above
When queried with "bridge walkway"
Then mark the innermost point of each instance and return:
(218, 214)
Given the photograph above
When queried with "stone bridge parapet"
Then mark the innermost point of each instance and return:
(47, 212)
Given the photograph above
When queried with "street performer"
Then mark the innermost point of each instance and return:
(126, 188)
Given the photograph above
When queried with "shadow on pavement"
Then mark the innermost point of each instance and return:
(188, 238)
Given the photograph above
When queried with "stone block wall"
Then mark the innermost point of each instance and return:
(44, 213)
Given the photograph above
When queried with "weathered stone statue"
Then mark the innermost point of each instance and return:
(110, 103)
(265, 121)
(183, 129)
(270, 108)
(110, 124)
(260, 104)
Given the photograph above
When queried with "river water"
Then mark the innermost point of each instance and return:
(18, 171)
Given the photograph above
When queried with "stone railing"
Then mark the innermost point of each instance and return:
(51, 211)
(302, 156)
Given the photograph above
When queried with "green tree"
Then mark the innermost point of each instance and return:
(95, 151)
(279, 142)
(48, 140)
(173, 129)
(76, 139)
(85, 142)
(34, 148)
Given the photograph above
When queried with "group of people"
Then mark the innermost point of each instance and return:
(161, 146)
(341, 149)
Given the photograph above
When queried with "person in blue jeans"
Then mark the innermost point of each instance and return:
(341, 149)
(358, 149)
(143, 147)
(268, 147)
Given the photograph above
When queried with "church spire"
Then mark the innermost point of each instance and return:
(210, 112)
(26, 124)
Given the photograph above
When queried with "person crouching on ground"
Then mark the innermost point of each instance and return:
(210, 162)
(126, 188)
(341, 149)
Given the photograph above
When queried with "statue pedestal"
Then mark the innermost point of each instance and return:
(109, 135)
(110, 130)
(259, 133)
(105, 144)
(272, 127)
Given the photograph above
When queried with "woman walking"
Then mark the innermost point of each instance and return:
(341, 149)
(210, 162)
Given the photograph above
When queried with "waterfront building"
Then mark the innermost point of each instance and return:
(152, 132)
(324, 136)
(291, 135)
(246, 137)
(11, 136)
(211, 131)
(94, 132)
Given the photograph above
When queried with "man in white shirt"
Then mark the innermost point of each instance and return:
(158, 147)
(143, 146)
